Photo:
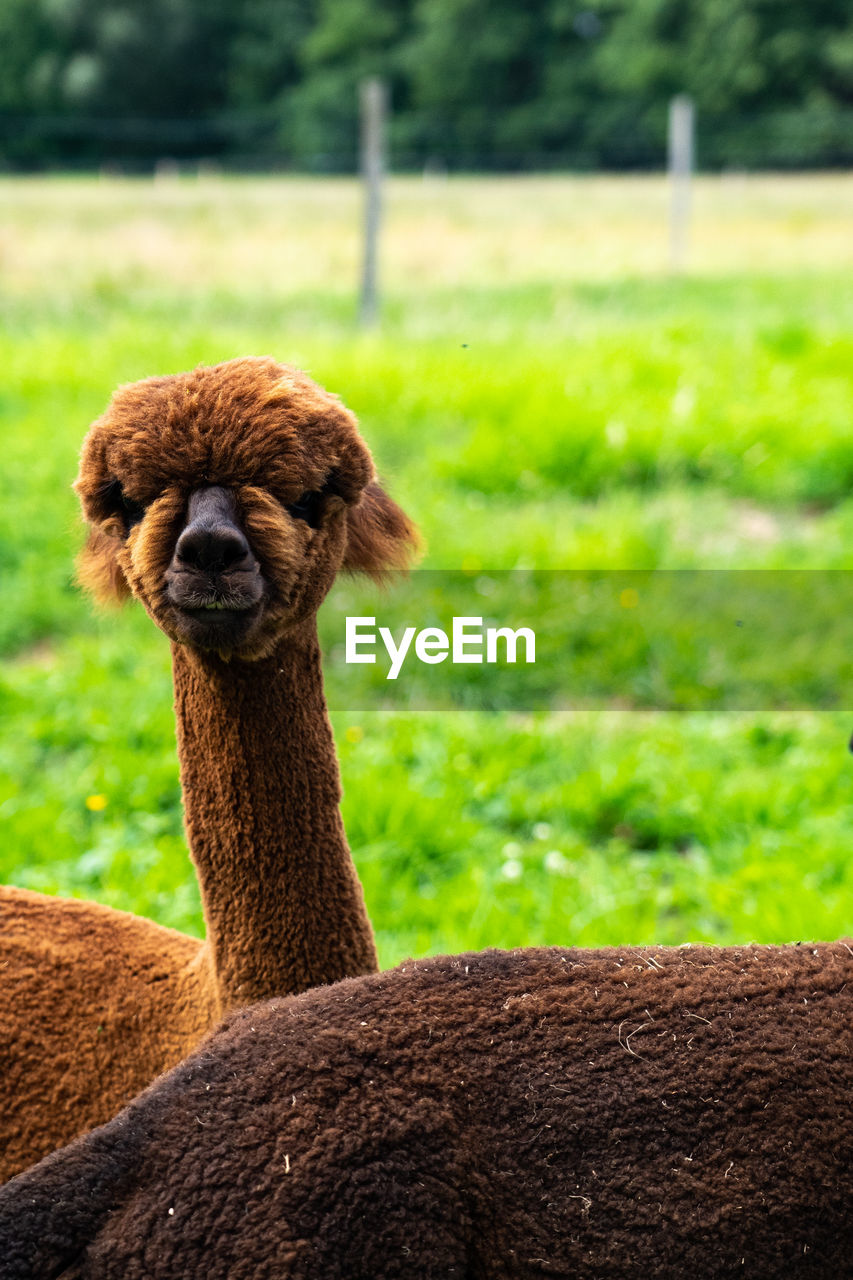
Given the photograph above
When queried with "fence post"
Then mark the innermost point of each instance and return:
(373, 98)
(680, 149)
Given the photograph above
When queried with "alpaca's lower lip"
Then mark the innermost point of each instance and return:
(220, 630)
(216, 614)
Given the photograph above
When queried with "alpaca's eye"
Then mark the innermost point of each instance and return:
(308, 507)
(117, 503)
(133, 511)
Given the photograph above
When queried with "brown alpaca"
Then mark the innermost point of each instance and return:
(634, 1114)
(226, 500)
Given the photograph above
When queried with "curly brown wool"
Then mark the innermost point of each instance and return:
(226, 500)
(634, 1114)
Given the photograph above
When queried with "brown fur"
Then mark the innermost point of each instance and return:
(96, 1003)
(628, 1114)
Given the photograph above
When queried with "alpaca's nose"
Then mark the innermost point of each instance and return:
(208, 549)
(212, 541)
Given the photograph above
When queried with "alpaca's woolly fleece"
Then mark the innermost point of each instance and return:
(635, 1114)
(96, 1003)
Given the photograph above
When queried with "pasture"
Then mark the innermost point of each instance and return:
(542, 394)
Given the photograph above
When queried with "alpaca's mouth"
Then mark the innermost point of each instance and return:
(214, 602)
(216, 623)
(214, 612)
(217, 606)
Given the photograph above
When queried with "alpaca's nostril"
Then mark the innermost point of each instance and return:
(212, 549)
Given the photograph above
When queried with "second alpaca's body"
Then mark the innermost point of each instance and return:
(95, 1002)
(283, 910)
(628, 1114)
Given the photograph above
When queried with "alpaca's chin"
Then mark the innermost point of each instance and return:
(222, 631)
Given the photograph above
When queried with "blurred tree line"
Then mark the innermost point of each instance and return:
(474, 83)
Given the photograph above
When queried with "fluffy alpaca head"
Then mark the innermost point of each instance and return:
(226, 499)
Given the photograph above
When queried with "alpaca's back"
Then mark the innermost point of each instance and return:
(133, 992)
(639, 1113)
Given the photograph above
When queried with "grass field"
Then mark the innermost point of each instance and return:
(542, 394)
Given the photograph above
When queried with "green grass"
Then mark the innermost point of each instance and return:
(530, 414)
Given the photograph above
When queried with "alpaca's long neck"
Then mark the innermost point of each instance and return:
(282, 902)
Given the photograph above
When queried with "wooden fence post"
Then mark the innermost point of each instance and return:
(373, 99)
(681, 123)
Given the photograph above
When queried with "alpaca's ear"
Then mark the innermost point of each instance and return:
(380, 536)
(98, 570)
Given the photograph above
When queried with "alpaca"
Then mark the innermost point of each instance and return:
(636, 1113)
(226, 500)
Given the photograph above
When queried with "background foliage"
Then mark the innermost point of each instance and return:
(475, 83)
